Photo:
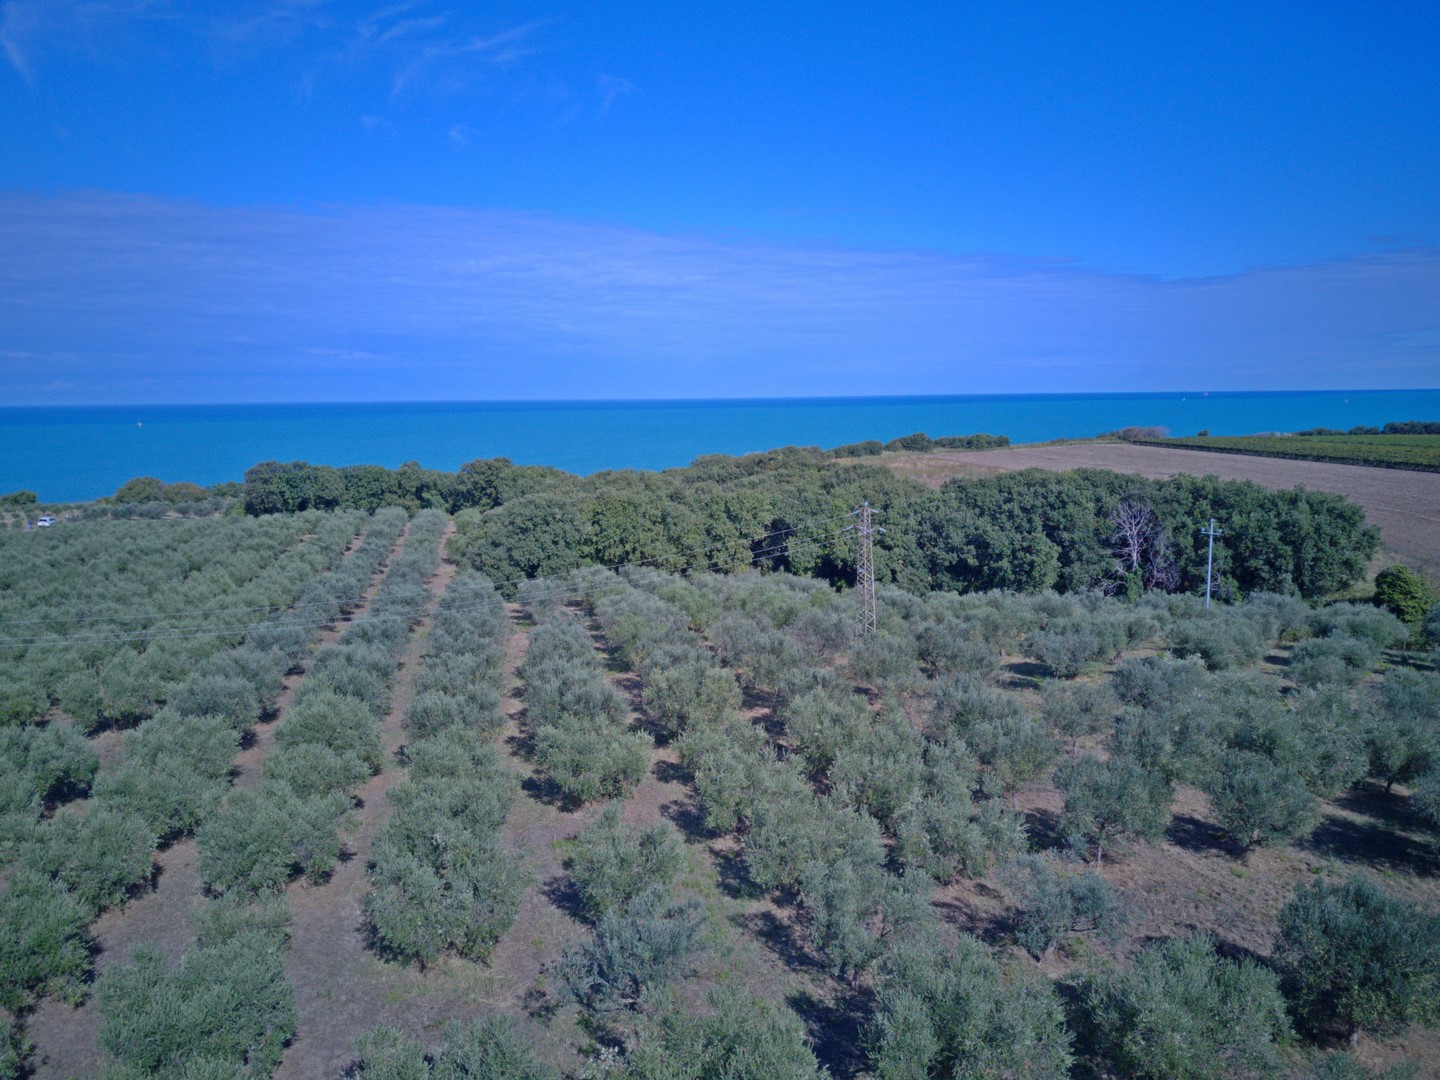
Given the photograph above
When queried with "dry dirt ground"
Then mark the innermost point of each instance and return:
(1403, 504)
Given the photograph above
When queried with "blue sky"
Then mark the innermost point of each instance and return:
(335, 201)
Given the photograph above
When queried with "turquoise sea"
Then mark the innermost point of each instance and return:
(84, 452)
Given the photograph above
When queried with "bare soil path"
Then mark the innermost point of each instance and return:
(327, 960)
(1403, 505)
(66, 1037)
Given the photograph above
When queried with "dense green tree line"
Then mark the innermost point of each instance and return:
(1028, 531)
(273, 487)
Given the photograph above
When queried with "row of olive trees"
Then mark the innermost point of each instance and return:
(326, 744)
(103, 619)
(643, 939)
(171, 773)
(578, 724)
(440, 880)
(227, 1005)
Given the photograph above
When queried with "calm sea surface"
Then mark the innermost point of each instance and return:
(79, 453)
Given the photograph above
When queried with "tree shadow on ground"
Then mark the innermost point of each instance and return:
(669, 772)
(1043, 828)
(733, 876)
(991, 927)
(688, 818)
(562, 891)
(1190, 833)
(780, 938)
(1367, 843)
(1373, 801)
(836, 1028)
(545, 790)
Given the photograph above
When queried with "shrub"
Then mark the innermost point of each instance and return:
(1183, 1011)
(1107, 801)
(99, 858)
(949, 649)
(309, 770)
(885, 658)
(1426, 798)
(167, 793)
(387, 1053)
(14, 1048)
(1405, 594)
(633, 950)
(695, 692)
(1158, 681)
(431, 712)
(1355, 958)
(951, 1012)
(1259, 802)
(484, 1048)
(1324, 742)
(440, 878)
(261, 840)
(488, 1048)
(1075, 710)
(881, 770)
(56, 761)
(855, 910)
(225, 1009)
(1068, 647)
(964, 703)
(1279, 617)
(742, 1036)
(1363, 621)
(342, 723)
(1401, 737)
(613, 863)
(228, 917)
(43, 943)
(790, 834)
(821, 723)
(228, 697)
(1221, 641)
(1054, 902)
(1016, 748)
(456, 754)
(592, 762)
(1336, 661)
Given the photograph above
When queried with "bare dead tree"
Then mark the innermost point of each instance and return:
(1142, 548)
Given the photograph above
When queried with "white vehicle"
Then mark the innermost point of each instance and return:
(45, 522)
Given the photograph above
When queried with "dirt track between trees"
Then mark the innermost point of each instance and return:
(1404, 505)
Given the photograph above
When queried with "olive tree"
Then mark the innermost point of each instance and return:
(612, 863)
(1355, 958)
(1112, 800)
(1182, 1011)
(952, 1012)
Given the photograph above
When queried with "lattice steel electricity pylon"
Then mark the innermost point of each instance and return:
(865, 531)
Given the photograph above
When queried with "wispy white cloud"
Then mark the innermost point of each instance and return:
(29, 28)
(429, 54)
(474, 304)
(612, 87)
